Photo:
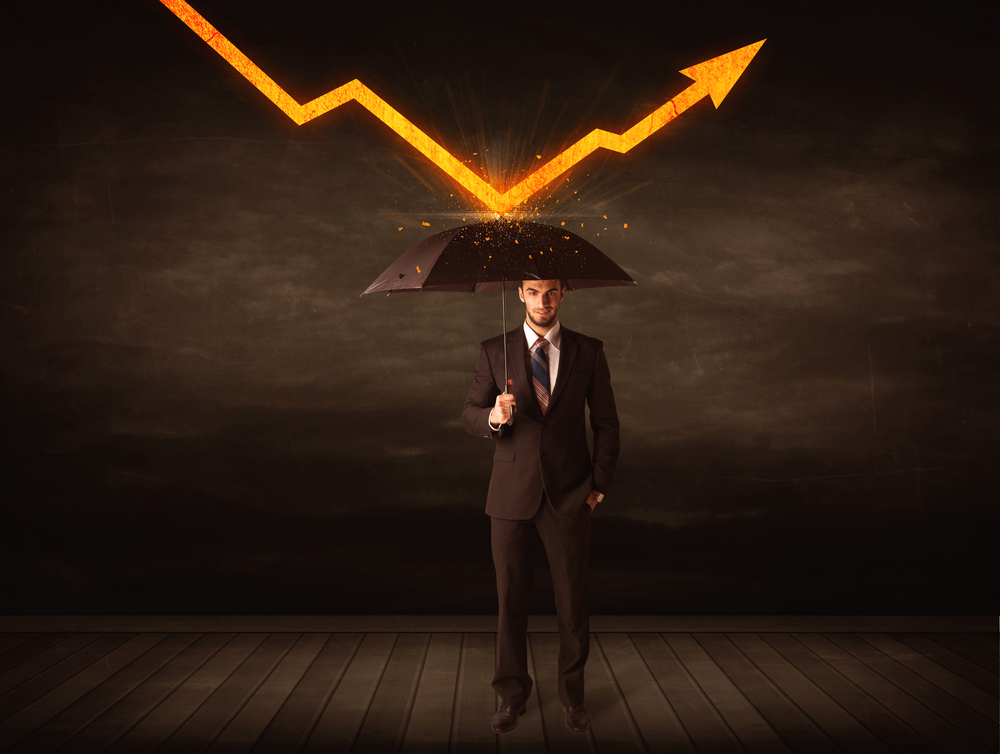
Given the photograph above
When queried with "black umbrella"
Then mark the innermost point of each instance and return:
(496, 256)
(499, 254)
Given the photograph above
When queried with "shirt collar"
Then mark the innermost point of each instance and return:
(554, 336)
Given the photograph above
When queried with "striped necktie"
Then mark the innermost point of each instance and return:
(540, 373)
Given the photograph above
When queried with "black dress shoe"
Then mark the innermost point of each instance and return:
(577, 718)
(505, 720)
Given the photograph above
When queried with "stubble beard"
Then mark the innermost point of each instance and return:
(548, 323)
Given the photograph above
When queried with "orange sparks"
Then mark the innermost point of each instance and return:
(713, 78)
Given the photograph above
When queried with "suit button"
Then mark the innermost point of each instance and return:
(543, 454)
(543, 425)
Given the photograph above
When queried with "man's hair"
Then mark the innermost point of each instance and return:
(562, 284)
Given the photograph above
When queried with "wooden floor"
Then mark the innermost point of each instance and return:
(389, 692)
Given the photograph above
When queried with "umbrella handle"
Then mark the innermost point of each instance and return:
(513, 408)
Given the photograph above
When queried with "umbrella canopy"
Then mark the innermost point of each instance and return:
(497, 255)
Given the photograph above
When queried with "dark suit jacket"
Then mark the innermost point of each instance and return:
(547, 452)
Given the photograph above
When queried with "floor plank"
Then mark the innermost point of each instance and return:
(82, 713)
(970, 652)
(10, 640)
(110, 726)
(825, 712)
(925, 721)
(968, 693)
(545, 650)
(430, 719)
(706, 728)
(614, 729)
(864, 707)
(294, 723)
(986, 642)
(216, 712)
(947, 659)
(246, 727)
(42, 683)
(475, 700)
(28, 646)
(42, 661)
(783, 715)
(660, 728)
(340, 721)
(958, 714)
(385, 724)
(163, 720)
(753, 731)
(33, 716)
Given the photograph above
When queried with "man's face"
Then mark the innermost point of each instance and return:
(541, 300)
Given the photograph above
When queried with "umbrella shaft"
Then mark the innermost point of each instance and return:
(503, 331)
(503, 307)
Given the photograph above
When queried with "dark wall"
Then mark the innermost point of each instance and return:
(201, 415)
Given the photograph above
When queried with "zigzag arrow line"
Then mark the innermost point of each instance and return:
(714, 78)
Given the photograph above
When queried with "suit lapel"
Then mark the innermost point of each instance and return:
(517, 356)
(567, 354)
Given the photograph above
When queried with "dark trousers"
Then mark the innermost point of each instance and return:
(567, 545)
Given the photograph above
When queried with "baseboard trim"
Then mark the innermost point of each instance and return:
(488, 623)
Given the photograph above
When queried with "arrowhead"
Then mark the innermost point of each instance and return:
(718, 75)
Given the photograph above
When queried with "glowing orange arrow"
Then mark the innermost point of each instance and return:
(714, 78)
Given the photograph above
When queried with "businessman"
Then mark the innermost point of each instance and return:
(545, 484)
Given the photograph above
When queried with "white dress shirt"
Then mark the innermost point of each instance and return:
(554, 337)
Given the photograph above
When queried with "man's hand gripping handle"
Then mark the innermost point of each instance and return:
(505, 408)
